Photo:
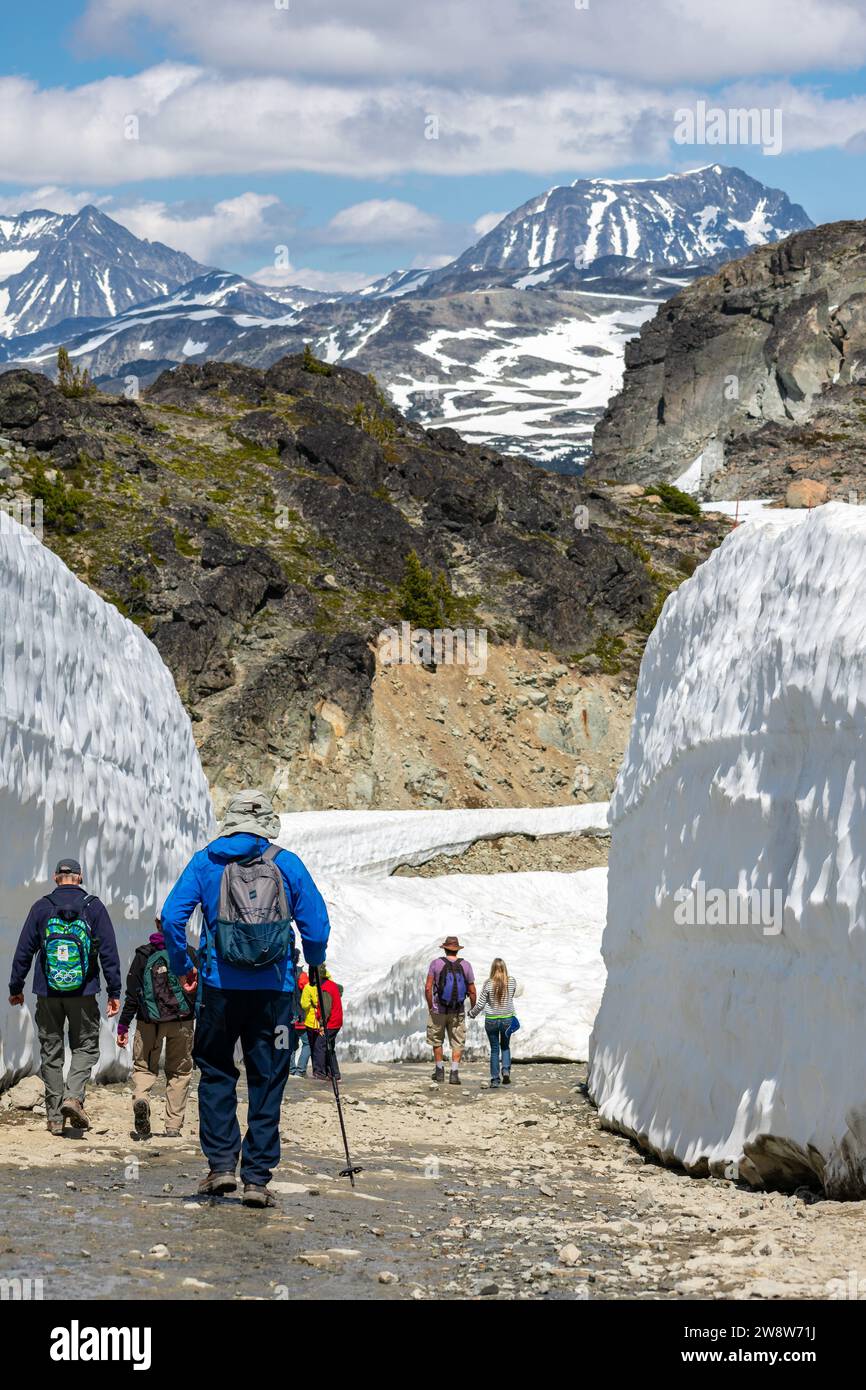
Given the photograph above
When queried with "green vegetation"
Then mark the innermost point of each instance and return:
(183, 543)
(427, 601)
(609, 651)
(72, 381)
(673, 500)
(631, 542)
(311, 363)
(379, 427)
(62, 506)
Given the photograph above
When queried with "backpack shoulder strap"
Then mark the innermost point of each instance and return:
(270, 857)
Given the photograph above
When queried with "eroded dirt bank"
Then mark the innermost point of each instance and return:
(465, 1194)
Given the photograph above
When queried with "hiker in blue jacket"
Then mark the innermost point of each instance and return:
(70, 935)
(247, 960)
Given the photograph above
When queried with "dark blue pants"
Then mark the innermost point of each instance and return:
(500, 1045)
(261, 1020)
(318, 1051)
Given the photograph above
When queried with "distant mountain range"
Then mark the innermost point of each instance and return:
(675, 220)
(85, 265)
(519, 341)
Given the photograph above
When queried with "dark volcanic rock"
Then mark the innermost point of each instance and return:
(28, 400)
(758, 343)
(256, 524)
(332, 446)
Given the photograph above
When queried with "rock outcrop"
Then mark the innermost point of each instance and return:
(756, 347)
(256, 525)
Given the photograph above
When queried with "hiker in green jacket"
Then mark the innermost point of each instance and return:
(164, 1012)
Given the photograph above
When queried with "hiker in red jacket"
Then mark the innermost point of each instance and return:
(318, 1027)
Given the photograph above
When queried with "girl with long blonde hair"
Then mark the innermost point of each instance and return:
(497, 1001)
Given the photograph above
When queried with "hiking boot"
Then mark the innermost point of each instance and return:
(439, 1074)
(454, 1079)
(494, 1081)
(73, 1111)
(141, 1119)
(172, 1134)
(55, 1127)
(217, 1184)
(506, 1078)
(257, 1196)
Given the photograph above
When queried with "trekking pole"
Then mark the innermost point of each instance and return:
(351, 1169)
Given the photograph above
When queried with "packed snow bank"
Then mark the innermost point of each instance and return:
(375, 842)
(385, 931)
(97, 760)
(742, 1044)
(547, 927)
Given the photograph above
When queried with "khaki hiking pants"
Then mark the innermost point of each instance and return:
(146, 1048)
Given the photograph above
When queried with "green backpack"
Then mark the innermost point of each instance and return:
(67, 942)
(162, 993)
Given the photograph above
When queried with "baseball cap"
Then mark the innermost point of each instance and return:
(68, 866)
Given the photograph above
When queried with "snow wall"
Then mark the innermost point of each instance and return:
(737, 1047)
(97, 760)
(386, 930)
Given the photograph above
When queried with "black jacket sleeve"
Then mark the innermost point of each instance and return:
(29, 942)
(105, 944)
(134, 983)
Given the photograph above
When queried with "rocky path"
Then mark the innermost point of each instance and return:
(465, 1194)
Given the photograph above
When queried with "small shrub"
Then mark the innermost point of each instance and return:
(674, 500)
(379, 427)
(61, 505)
(183, 543)
(311, 363)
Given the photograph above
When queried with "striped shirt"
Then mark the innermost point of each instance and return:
(491, 1009)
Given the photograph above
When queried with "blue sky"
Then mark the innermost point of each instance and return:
(305, 123)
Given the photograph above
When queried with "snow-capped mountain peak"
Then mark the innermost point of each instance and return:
(57, 266)
(675, 219)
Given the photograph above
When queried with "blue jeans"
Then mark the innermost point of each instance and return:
(302, 1045)
(256, 1018)
(500, 1042)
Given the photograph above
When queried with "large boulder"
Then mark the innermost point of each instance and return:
(730, 1036)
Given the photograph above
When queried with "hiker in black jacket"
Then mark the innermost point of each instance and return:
(71, 936)
(164, 1011)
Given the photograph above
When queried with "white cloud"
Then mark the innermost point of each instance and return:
(499, 44)
(196, 122)
(62, 200)
(488, 220)
(234, 222)
(434, 262)
(333, 281)
(381, 221)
